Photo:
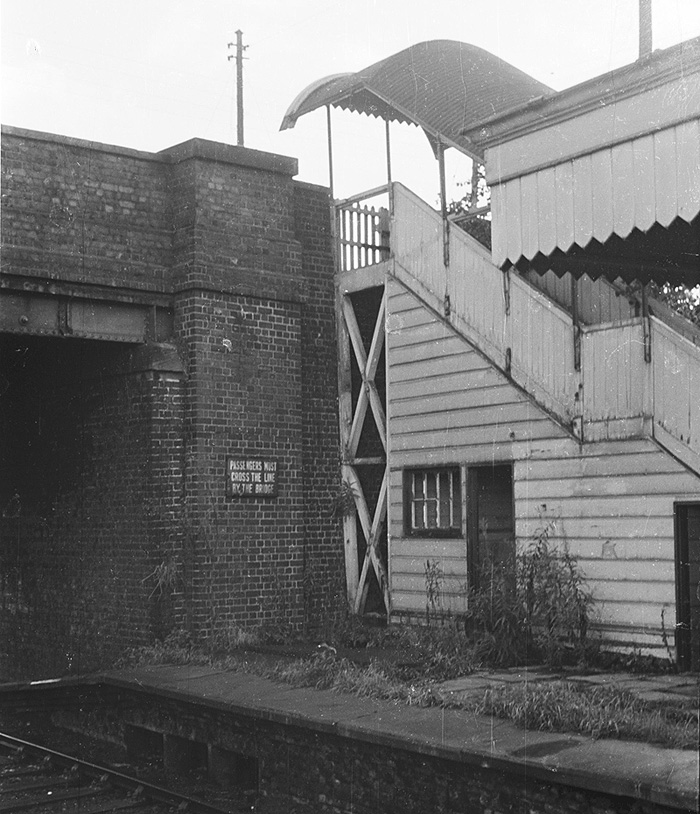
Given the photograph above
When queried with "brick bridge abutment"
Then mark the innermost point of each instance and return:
(169, 414)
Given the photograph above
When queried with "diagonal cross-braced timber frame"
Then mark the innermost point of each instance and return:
(356, 420)
(371, 524)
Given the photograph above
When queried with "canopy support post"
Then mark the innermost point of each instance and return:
(443, 204)
(473, 192)
(330, 151)
(388, 166)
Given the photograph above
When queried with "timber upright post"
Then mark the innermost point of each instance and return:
(575, 317)
(352, 572)
(443, 204)
(646, 323)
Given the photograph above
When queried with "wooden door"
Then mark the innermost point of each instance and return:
(688, 585)
(490, 520)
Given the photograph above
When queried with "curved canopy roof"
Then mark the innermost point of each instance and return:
(443, 86)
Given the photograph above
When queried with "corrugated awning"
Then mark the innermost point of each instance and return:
(443, 86)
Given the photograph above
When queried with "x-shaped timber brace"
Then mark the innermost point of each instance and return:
(351, 434)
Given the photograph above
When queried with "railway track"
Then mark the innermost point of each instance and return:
(36, 779)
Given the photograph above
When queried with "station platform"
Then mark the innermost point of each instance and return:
(635, 771)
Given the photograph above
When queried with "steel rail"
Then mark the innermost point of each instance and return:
(119, 779)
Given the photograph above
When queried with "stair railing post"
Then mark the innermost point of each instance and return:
(646, 326)
(576, 323)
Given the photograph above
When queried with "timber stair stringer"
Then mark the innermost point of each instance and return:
(490, 353)
(633, 378)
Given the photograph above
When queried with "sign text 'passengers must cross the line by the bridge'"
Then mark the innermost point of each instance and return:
(251, 477)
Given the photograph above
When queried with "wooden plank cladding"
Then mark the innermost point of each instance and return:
(676, 389)
(598, 174)
(597, 380)
(522, 331)
(487, 374)
(610, 502)
(599, 301)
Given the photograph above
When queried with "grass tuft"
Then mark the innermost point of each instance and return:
(601, 712)
(325, 671)
(426, 655)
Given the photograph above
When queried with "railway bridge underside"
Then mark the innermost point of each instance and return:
(91, 440)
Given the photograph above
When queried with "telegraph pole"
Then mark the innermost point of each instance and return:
(239, 83)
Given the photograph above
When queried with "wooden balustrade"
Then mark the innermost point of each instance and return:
(362, 233)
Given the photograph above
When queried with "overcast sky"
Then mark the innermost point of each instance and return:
(148, 74)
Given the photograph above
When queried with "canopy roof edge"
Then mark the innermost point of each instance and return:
(441, 86)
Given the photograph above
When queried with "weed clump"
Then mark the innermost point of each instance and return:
(601, 712)
(177, 648)
(326, 671)
(535, 608)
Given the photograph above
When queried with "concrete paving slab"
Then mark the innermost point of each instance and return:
(469, 684)
(657, 696)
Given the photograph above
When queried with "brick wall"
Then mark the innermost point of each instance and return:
(324, 583)
(254, 308)
(83, 212)
(245, 554)
(239, 254)
(79, 434)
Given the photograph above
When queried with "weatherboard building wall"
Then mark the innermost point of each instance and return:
(611, 503)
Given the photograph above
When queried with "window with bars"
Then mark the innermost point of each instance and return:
(433, 502)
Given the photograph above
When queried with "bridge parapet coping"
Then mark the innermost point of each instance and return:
(192, 148)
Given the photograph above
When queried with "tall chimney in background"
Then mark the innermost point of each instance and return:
(644, 28)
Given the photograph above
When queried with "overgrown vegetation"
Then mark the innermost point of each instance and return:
(476, 193)
(601, 712)
(683, 300)
(532, 608)
(326, 671)
(553, 706)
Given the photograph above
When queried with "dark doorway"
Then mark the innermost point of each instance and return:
(490, 520)
(688, 585)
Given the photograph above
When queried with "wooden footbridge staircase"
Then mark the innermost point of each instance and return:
(627, 378)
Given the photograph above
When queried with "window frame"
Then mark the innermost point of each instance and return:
(444, 532)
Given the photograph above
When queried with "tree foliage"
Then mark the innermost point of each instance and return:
(476, 193)
(683, 300)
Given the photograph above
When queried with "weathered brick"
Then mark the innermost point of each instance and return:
(243, 255)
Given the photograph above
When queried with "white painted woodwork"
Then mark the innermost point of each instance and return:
(610, 503)
(616, 378)
(633, 183)
(599, 301)
(352, 574)
(367, 364)
(614, 392)
(345, 416)
(671, 105)
(351, 427)
(450, 402)
(537, 331)
(676, 388)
